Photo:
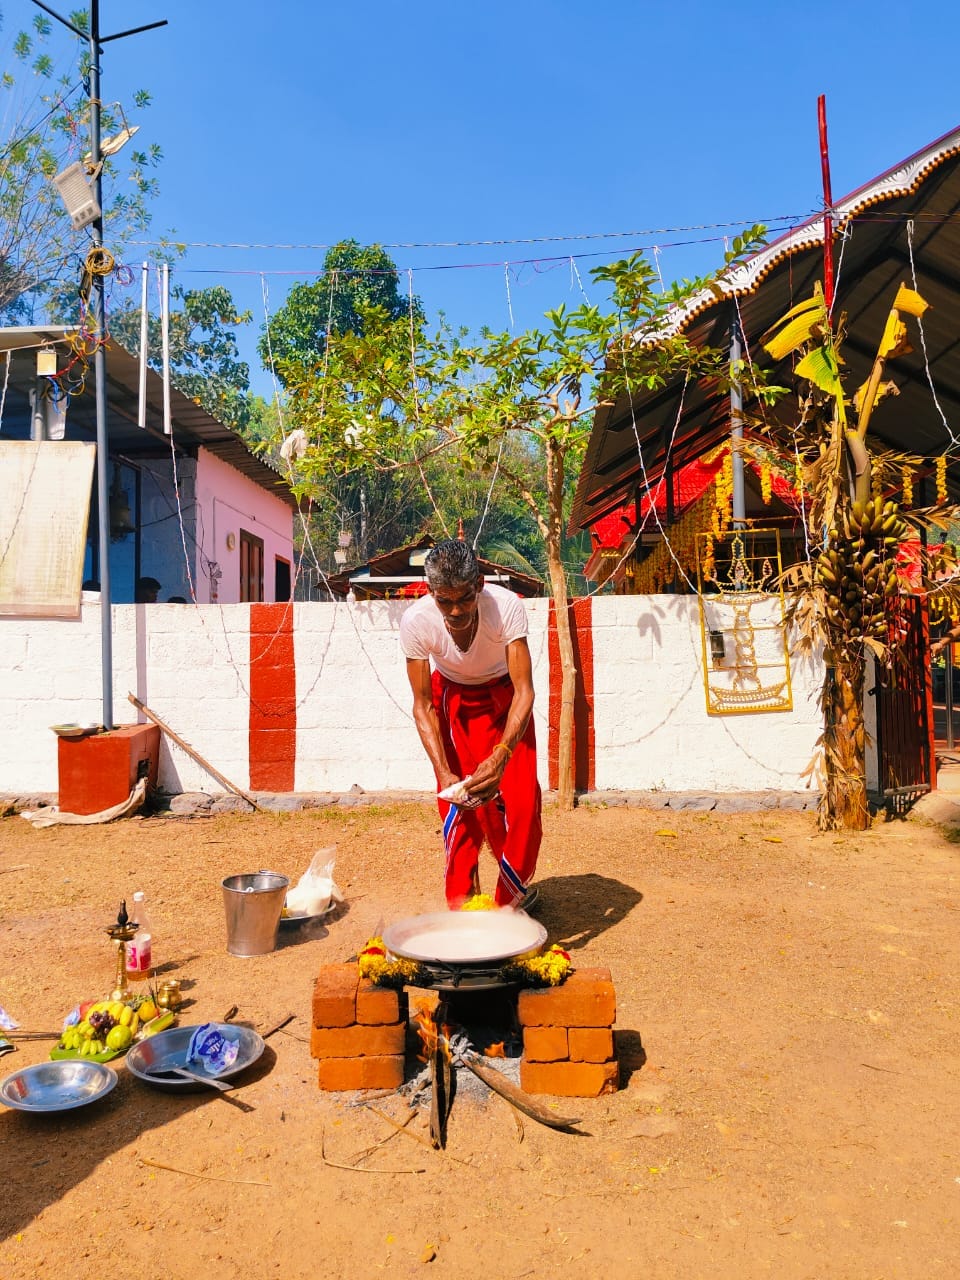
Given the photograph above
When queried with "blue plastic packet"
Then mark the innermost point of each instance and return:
(214, 1047)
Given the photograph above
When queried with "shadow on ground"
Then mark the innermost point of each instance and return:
(576, 909)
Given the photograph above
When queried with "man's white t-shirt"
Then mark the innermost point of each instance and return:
(502, 618)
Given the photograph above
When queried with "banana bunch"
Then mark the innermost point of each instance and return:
(94, 1032)
(858, 568)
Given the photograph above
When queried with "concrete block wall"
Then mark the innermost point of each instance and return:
(348, 702)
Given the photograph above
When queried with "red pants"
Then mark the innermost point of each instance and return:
(472, 720)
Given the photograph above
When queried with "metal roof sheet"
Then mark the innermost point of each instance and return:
(910, 212)
(193, 426)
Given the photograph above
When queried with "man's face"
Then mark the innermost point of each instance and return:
(458, 604)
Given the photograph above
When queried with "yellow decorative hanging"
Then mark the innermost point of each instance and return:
(746, 661)
(907, 482)
(942, 478)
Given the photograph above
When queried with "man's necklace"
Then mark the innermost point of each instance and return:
(464, 645)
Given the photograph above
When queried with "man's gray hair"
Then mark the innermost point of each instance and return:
(451, 563)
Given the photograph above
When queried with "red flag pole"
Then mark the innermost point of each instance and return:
(827, 205)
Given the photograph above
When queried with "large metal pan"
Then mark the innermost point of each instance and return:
(465, 938)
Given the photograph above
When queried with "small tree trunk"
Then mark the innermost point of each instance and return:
(558, 587)
(843, 806)
(568, 685)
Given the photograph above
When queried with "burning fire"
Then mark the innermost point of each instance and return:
(434, 1036)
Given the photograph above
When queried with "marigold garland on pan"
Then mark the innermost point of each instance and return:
(546, 970)
(375, 963)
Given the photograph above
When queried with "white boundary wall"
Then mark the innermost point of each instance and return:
(354, 727)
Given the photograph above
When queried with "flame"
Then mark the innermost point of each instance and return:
(497, 1050)
(433, 1035)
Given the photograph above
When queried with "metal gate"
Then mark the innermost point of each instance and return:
(905, 754)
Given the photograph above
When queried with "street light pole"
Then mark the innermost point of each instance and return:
(100, 382)
(99, 357)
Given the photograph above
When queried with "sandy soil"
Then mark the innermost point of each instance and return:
(787, 1022)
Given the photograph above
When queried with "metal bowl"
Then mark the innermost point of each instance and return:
(465, 938)
(57, 1086)
(149, 1058)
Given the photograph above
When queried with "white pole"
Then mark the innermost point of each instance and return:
(165, 319)
(142, 410)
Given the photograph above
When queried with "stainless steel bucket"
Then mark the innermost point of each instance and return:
(253, 905)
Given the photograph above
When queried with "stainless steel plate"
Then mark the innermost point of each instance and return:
(169, 1049)
(465, 937)
(294, 919)
(57, 1086)
(71, 730)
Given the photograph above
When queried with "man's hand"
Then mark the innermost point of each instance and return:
(485, 780)
(446, 778)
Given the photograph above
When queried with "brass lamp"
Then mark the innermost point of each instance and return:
(122, 932)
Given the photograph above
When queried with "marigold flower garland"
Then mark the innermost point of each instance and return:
(546, 970)
(480, 902)
(376, 964)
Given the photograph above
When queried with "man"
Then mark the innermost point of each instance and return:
(148, 589)
(469, 668)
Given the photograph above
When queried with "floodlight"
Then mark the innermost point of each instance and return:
(75, 192)
(110, 146)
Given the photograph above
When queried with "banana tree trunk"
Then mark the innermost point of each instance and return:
(843, 806)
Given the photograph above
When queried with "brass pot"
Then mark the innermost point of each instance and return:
(168, 997)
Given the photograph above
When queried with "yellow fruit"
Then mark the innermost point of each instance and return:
(125, 1015)
(119, 1037)
(147, 1010)
(134, 1023)
(160, 1023)
(116, 1009)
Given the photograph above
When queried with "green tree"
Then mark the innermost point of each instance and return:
(41, 256)
(204, 358)
(355, 279)
(384, 405)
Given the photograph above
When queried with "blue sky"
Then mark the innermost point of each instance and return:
(300, 123)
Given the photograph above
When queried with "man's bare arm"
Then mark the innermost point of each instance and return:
(425, 718)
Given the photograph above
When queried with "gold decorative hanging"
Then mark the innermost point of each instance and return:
(746, 663)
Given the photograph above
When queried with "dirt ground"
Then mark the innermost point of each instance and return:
(787, 1024)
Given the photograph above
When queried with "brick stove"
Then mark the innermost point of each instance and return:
(359, 1033)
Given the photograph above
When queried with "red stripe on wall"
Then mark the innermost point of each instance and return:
(273, 698)
(581, 626)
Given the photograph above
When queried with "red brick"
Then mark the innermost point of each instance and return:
(377, 1005)
(335, 996)
(357, 1041)
(590, 1044)
(586, 999)
(545, 1044)
(570, 1079)
(361, 1073)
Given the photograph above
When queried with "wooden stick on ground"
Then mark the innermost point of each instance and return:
(205, 1177)
(498, 1082)
(265, 1035)
(356, 1168)
(194, 755)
